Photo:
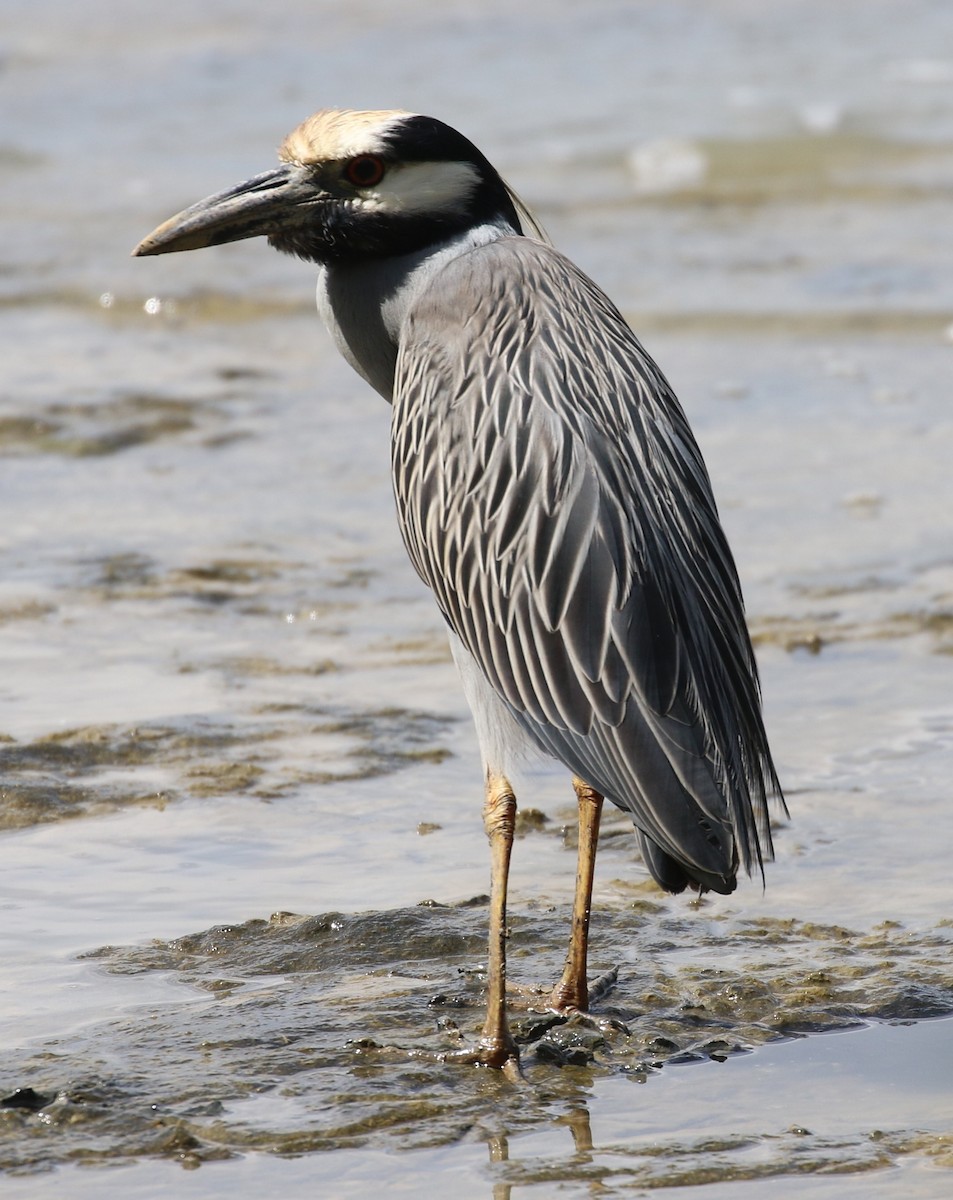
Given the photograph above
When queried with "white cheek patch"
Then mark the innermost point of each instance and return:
(426, 187)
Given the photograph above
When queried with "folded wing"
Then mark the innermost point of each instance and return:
(553, 497)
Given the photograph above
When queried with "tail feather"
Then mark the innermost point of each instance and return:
(673, 876)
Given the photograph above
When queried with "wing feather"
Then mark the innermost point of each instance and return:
(552, 495)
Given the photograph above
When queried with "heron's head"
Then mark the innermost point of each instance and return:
(352, 185)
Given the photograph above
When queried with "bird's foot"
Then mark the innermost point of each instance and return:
(498, 1053)
(569, 1035)
(494, 1057)
(570, 995)
(602, 985)
(503, 1056)
(567, 998)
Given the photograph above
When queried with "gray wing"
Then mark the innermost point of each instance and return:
(551, 494)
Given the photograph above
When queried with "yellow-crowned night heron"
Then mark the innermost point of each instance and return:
(549, 491)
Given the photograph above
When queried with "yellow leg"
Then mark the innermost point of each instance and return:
(572, 991)
(498, 1049)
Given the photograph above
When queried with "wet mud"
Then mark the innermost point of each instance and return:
(318, 1033)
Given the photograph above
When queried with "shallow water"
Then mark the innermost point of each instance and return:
(227, 706)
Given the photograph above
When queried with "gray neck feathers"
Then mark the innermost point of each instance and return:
(364, 304)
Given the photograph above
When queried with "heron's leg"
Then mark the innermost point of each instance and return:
(572, 991)
(499, 818)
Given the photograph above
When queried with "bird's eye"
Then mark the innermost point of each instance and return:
(365, 170)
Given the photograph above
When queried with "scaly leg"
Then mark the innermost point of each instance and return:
(498, 1049)
(572, 991)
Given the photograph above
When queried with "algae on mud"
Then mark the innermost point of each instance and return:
(337, 1023)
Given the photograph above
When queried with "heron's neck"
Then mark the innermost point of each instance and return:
(364, 304)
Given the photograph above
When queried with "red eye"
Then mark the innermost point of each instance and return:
(364, 171)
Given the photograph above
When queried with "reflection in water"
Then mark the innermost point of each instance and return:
(824, 1080)
(577, 1122)
(499, 1149)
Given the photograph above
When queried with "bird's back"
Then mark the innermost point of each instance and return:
(551, 494)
